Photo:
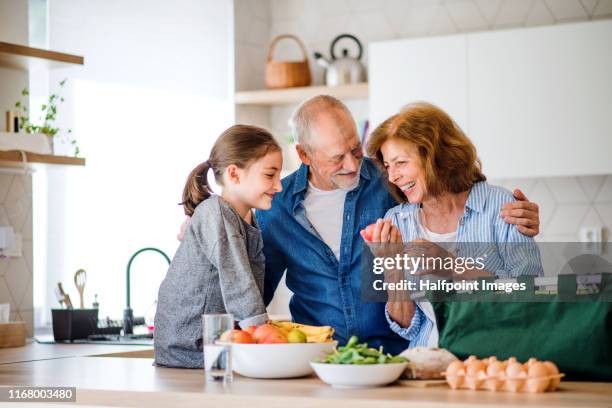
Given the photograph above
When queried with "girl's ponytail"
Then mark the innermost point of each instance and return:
(196, 188)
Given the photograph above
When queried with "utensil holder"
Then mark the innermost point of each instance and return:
(74, 324)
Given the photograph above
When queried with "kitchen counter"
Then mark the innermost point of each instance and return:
(132, 382)
(33, 351)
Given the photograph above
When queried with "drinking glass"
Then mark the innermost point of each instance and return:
(217, 353)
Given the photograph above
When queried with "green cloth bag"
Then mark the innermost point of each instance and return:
(573, 331)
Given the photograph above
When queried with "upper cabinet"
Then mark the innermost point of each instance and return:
(431, 69)
(536, 102)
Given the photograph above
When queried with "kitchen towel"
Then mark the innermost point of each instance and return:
(574, 331)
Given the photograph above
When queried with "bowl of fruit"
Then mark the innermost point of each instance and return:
(278, 349)
(357, 365)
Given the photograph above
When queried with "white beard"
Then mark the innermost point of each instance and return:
(354, 184)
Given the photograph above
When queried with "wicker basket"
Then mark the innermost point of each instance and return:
(287, 74)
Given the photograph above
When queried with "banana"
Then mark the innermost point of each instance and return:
(283, 325)
(314, 334)
(321, 338)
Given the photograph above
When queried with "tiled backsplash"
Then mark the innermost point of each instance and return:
(16, 277)
(568, 204)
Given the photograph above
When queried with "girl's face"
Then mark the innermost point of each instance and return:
(403, 163)
(260, 181)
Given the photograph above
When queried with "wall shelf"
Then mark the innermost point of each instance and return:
(15, 156)
(23, 57)
(286, 96)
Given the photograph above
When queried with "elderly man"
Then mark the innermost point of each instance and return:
(312, 229)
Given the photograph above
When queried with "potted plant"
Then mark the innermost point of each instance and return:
(47, 120)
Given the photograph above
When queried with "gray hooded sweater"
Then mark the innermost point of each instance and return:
(218, 268)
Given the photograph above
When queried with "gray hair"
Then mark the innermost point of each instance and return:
(302, 119)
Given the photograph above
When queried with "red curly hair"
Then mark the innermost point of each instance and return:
(448, 156)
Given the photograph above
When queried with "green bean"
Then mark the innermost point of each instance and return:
(359, 353)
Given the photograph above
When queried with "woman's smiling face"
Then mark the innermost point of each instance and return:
(405, 169)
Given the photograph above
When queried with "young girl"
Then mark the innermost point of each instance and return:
(219, 265)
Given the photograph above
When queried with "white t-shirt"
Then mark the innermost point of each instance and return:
(325, 209)
(449, 238)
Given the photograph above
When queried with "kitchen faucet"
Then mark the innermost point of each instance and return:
(128, 314)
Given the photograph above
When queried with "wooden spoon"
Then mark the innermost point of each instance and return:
(80, 278)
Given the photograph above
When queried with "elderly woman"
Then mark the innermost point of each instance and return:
(433, 170)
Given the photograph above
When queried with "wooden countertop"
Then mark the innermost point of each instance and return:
(132, 382)
(36, 351)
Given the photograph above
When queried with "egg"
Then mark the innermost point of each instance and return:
(552, 370)
(495, 368)
(455, 373)
(515, 370)
(454, 368)
(510, 375)
(537, 374)
(474, 367)
(537, 370)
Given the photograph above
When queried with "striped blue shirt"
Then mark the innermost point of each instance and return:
(480, 223)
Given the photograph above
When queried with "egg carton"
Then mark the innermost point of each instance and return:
(509, 375)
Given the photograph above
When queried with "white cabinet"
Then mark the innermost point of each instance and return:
(536, 102)
(540, 100)
(430, 69)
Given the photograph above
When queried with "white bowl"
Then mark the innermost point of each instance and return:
(358, 375)
(285, 360)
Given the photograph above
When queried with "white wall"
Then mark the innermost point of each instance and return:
(145, 108)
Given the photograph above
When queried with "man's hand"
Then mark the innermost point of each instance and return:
(183, 228)
(523, 213)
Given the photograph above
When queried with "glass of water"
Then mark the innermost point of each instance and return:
(217, 353)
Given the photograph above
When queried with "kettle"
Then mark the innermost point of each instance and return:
(343, 70)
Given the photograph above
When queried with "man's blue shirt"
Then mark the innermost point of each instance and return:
(327, 291)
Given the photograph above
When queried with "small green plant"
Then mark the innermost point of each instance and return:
(49, 113)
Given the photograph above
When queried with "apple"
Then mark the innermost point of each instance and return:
(275, 338)
(241, 336)
(250, 329)
(236, 336)
(368, 232)
(227, 336)
(262, 331)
